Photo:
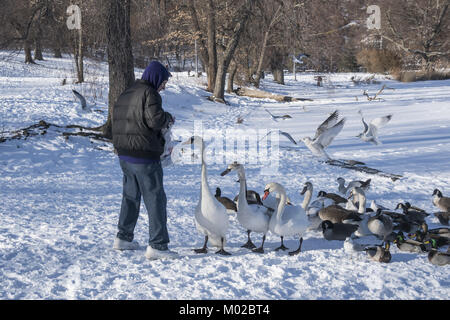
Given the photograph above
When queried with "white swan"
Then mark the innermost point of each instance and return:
(253, 217)
(211, 218)
(288, 220)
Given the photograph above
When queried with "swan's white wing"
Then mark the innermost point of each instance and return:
(81, 98)
(328, 135)
(328, 123)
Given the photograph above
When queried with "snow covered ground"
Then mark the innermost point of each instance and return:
(61, 198)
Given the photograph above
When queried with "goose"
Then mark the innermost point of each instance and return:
(337, 199)
(227, 202)
(337, 214)
(443, 203)
(438, 258)
(408, 245)
(288, 220)
(325, 133)
(412, 215)
(370, 133)
(410, 207)
(365, 185)
(253, 197)
(380, 225)
(337, 231)
(443, 217)
(211, 218)
(253, 217)
(379, 253)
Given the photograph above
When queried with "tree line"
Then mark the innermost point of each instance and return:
(236, 38)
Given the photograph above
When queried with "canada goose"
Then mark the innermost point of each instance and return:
(337, 231)
(337, 214)
(443, 203)
(287, 220)
(412, 215)
(325, 133)
(438, 258)
(253, 197)
(227, 202)
(370, 132)
(253, 217)
(443, 217)
(211, 217)
(333, 196)
(408, 245)
(379, 253)
(365, 185)
(380, 225)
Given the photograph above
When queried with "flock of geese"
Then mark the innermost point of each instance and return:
(342, 217)
(330, 128)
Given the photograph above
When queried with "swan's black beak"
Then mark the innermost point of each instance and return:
(304, 190)
(225, 172)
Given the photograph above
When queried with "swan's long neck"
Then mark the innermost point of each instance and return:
(282, 203)
(362, 203)
(204, 181)
(307, 199)
(242, 199)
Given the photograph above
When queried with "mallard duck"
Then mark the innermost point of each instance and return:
(408, 245)
(379, 253)
(438, 258)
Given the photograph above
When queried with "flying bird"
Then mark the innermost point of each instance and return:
(325, 134)
(82, 100)
(274, 117)
(287, 135)
(370, 133)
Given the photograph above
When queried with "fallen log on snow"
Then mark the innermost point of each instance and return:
(360, 166)
(255, 93)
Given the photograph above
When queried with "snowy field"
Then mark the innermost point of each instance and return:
(61, 198)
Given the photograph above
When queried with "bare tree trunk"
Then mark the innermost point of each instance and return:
(231, 76)
(79, 57)
(212, 50)
(27, 50)
(264, 46)
(224, 62)
(120, 55)
(37, 42)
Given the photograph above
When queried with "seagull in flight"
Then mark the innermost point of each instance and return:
(82, 100)
(287, 135)
(325, 134)
(370, 133)
(274, 117)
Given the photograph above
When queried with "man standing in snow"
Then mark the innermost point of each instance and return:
(138, 118)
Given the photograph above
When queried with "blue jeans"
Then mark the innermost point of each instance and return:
(144, 180)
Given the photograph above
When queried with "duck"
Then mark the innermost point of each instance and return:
(381, 225)
(287, 220)
(443, 217)
(379, 253)
(211, 218)
(423, 233)
(227, 202)
(408, 245)
(365, 185)
(337, 231)
(253, 217)
(438, 258)
(443, 203)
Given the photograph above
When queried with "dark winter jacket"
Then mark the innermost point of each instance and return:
(138, 118)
